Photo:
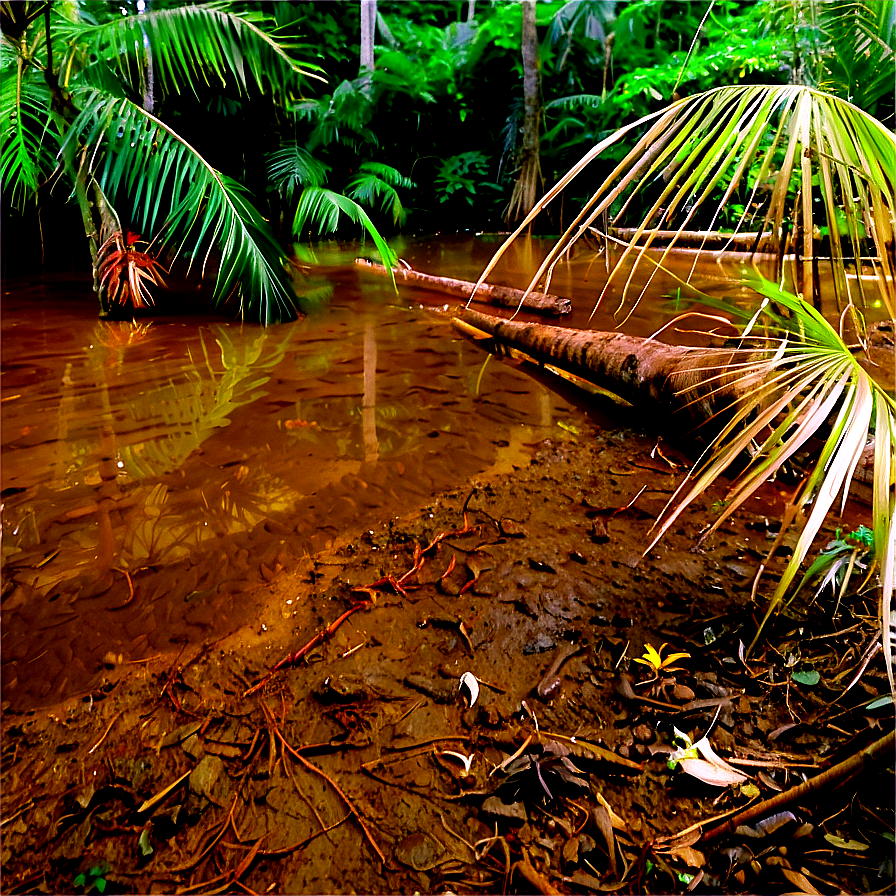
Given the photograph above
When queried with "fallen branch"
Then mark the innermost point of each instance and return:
(709, 240)
(882, 748)
(504, 296)
(322, 635)
(693, 384)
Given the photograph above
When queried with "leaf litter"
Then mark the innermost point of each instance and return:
(336, 751)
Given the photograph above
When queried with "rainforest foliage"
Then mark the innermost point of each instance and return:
(223, 131)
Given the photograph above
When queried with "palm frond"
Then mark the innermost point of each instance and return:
(780, 146)
(28, 142)
(165, 178)
(192, 45)
(859, 57)
(319, 209)
(293, 166)
(376, 181)
(801, 379)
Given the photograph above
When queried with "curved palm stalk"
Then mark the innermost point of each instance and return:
(807, 377)
(144, 156)
(783, 146)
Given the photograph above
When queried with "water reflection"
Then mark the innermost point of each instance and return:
(189, 461)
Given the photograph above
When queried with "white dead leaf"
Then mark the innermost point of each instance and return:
(471, 686)
(710, 773)
(466, 760)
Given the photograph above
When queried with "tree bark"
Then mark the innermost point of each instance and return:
(504, 296)
(525, 191)
(665, 380)
(673, 384)
(368, 29)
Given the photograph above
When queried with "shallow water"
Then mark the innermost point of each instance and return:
(157, 474)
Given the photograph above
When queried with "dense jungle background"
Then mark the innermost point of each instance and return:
(318, 576)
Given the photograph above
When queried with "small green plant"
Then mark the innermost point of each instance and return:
(458, 176)
(839, 561)
(93, 879)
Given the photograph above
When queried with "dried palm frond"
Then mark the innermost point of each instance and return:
(804, 383)
(815, 175)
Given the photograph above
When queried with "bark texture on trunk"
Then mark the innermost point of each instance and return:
(689, 385)
(526, 188)
(680, 386)
(504, 296)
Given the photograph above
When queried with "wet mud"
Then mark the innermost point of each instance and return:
(409, 656)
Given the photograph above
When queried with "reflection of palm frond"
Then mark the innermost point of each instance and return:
(806, 377)
(782, 147)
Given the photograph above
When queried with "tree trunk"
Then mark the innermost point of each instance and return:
(661, 379)
(525, 191)
(503, 296)
(673, 384)
(368, 29)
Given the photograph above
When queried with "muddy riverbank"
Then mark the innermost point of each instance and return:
(362, 768)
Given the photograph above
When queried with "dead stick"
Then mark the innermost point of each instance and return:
(322, 635)
(833, 775)
(504, 296)
(338, 789)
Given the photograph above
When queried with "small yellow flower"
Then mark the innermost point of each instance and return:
(654, 658)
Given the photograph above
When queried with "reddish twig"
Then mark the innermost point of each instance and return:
(349, 804)
(321, 636)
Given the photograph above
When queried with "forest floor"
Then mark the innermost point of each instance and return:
(361, 767)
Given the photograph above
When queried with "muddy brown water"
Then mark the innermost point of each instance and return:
(154, 471)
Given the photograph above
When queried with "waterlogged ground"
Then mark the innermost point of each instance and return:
(187, 504)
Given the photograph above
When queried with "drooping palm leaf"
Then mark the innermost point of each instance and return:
(192, 45)
(801, 378)
(320, 209)
(28, 142)
(170, 183)
(779, 145)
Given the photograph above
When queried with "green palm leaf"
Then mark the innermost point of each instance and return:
(320, 209)
(780, 145)
(292, 166)
(376, 181)
(167, 178)
(191, 45)
(28, 143)
(800, 379)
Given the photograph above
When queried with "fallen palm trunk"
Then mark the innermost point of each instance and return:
(504, 296)
(686, 386)
(694, 384)
(709, 240)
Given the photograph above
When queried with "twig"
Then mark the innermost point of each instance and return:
(833, 775)
(351, 806)
(321, 636)
(115, 718)
(127, 575)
